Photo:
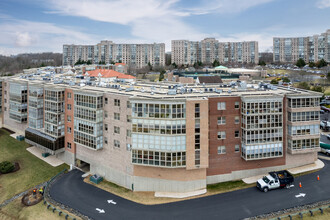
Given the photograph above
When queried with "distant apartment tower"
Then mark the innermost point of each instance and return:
(136, 55)
(310, 49)
(210, 49)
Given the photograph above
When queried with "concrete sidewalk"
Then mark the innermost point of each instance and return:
(52, 160)
(16, 134)
(314, 166)
(178, 195)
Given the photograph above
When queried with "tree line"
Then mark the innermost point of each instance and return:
(15, 64)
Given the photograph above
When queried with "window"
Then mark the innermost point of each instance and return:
(117, 102)
(129, 118)
(105, 114)
(236, 134)
(128, 133)
(69, 130)
(69, 95)
(5, 100)
(221, 106)
(105, 100)
(221, 150)
(68, 145)
(105, 140)
(128, 147)
(128, 104)
(5, 108)
(236, 119)
(116, 116)
(69, 118)
(236, 105)
(197, 110)
(116, 129)
(69, 106)
(236, 148)
(221, 120)
(221, 135)
(116, 143)
(197, 157)
(106, 127)
(5, 92)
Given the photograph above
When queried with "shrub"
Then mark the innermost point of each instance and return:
(6, 167)
(274, 81)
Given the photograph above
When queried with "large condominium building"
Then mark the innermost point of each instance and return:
(210, 49)
(135, 55)
(166, 137)
(310, 49)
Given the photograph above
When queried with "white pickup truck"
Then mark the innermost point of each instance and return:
(275, 180)
(325, 151)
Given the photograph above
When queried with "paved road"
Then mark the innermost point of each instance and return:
(72, 191)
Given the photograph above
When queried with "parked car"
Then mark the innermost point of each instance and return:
(328, 136)
(275, 180)
(325, 148)
(325, 125)
(322, 111)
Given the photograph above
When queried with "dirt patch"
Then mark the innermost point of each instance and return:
(31, 199)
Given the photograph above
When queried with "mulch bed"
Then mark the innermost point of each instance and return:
(17, 168)
(29, 199)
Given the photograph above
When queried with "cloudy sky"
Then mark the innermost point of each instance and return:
(45, 25)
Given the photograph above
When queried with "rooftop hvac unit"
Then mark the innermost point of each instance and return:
(218, 91)
(129, 89)
(171, 92)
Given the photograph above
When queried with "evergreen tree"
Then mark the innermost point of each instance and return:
(215, 63)
(300, 63)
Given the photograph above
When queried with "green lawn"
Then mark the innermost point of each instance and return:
(33, 170)
(16, 210)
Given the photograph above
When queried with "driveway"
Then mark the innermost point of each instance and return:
(72, 191)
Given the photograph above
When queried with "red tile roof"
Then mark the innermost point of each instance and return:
(117, 64)
(109, 74)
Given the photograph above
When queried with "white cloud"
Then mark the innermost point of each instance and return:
(150, 20)
(225, 6)
(323, 4)
(23, 39)
(114, 11)
(38, 37)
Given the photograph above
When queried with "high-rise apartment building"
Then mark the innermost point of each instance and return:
(310, 49)
(210, 49)
(135, 55)
(166, 137)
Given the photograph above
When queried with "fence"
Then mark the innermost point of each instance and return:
(301, 214)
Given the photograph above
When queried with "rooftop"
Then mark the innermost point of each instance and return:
(164, 90)
(109, 74)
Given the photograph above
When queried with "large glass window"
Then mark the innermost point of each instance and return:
(158, 158)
